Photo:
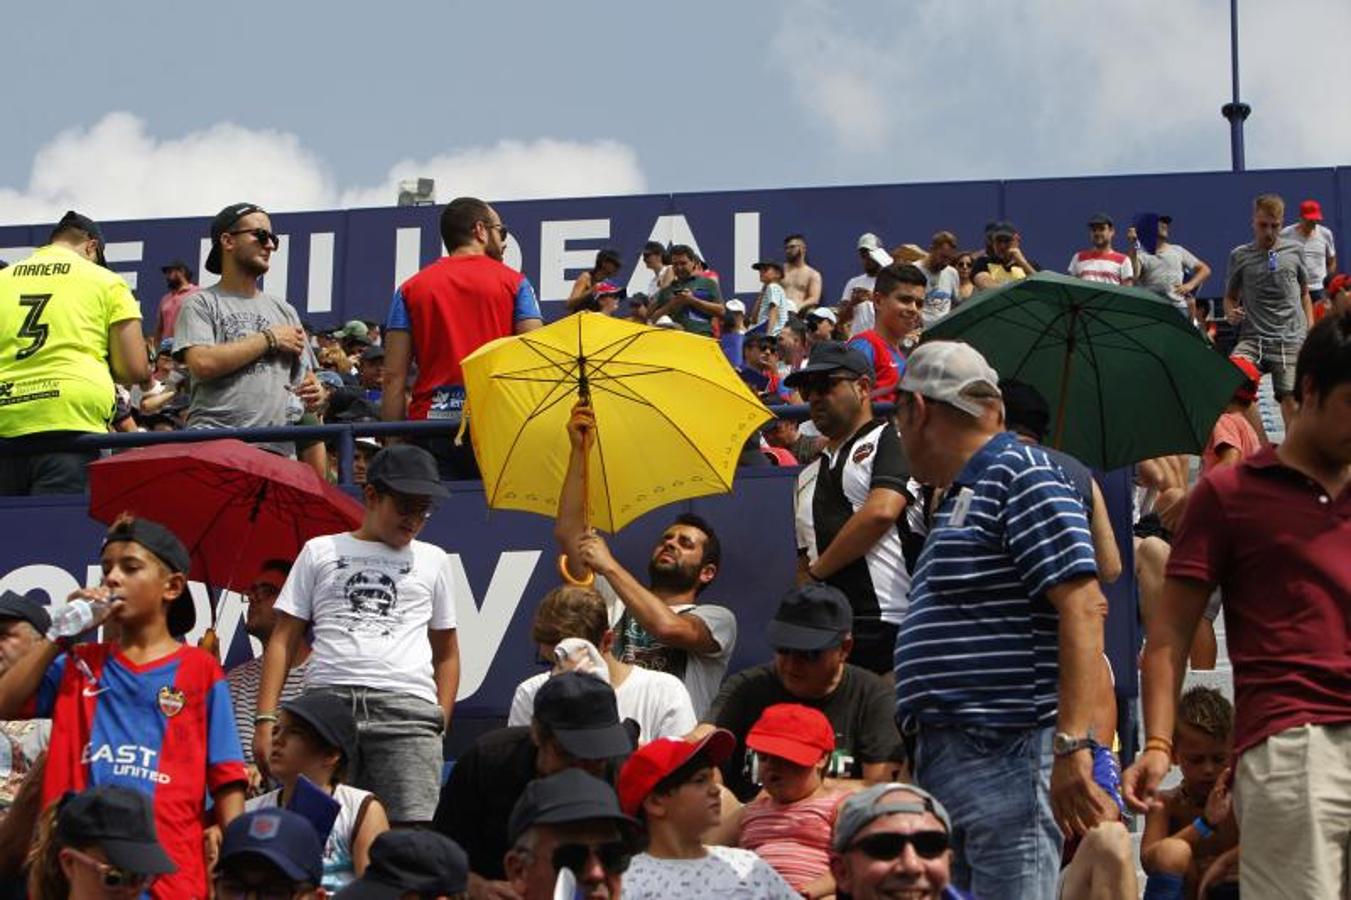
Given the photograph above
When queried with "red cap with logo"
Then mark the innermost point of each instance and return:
(794, 732)
(1311, 211)
(655, 760)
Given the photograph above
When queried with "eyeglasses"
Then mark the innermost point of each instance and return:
(822, 384)
(501, 229)
(613, 856)
(964, 264)
(417, 507)
(113, 877)
(887, 845)
(229, 889)
(261, 235)
(810, 656)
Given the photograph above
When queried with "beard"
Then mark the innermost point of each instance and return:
(673, 576)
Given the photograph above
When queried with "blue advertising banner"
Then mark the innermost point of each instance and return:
(340, 265)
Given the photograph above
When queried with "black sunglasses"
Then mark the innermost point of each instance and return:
(822, 384)
(614, 857)
(114, 877)
(262, 235)
(810, 656)
(501, 229)
(887, 845)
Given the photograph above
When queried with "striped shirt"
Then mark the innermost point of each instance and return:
(244, 680)
(794, 838)
(979, 645)
(1107, 266)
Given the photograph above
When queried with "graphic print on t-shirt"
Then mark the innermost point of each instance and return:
(640, 648)
(372, 593)
(235, 326)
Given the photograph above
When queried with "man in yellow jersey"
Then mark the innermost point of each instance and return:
(69, 327)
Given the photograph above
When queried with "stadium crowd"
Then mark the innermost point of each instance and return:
(937, 717)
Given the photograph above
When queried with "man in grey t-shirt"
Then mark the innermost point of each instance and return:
(1266, 296)
(245, 350)
(1165, 270)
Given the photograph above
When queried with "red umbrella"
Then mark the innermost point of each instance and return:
(234, 506)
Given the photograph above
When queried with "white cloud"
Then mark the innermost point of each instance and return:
(116, 170)
(981, 90)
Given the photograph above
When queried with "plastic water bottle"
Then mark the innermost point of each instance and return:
(76, 617)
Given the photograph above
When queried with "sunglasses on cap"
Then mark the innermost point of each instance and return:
(261, 235)
(887, 845)
(112, 876)
(614, 857)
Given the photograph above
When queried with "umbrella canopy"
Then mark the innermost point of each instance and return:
(671, 416)
(1125, 376)
(234, 506)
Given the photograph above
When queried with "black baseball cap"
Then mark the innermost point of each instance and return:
(223, 222)
(567, 796)
(283, 838)
(1166, 219)
(120, 821)
(408, 470)
(329, 715)
(72, 219)
(17, 606)
(426, 863)
(609, 256)
(1002, 228)
(166, 546)
(583, 714)
(1025, 409)
(1100, 218)
(768, 264)
(176, 264)
(811, 617)
(831, 356)
(373, 353)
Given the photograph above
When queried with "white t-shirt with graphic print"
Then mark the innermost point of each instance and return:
(371, 606)
(727, 873)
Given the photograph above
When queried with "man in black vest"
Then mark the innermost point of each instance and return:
(859, 518)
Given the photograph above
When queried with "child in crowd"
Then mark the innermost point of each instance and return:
(1195, 827)
(789, 825)
(1233, 436)
(315, 737)
(669, 785)
(144, 712)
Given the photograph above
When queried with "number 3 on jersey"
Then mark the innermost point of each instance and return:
(33, 327)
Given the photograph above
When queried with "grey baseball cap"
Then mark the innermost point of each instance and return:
(866, 807)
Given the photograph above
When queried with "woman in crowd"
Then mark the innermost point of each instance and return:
(966, 287)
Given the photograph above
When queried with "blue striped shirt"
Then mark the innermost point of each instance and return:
(979, 645)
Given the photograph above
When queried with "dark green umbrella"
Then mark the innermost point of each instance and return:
(1126, 377)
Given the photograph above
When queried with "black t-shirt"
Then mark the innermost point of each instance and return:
(861, 709)
(477, 800)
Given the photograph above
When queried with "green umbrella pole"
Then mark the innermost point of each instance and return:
(1065, 379)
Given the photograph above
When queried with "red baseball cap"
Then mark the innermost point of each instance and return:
(1310, 210)
(655, 760)
(1246, 392)
(794, 732)
(1340, 282)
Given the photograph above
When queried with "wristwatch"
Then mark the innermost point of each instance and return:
(1063, 743)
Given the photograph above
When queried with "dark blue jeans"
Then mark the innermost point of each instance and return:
(996, 785)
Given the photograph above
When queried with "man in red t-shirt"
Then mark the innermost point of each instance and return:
(1274, 532)
(447, 311)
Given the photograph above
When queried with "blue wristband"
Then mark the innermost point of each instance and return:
(1202, 827)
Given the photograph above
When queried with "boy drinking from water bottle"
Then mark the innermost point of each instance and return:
(146, 711)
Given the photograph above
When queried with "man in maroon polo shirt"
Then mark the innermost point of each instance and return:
(1274, 532)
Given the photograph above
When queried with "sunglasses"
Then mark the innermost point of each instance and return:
(614, 857)
(113, 877)
(823, 385)
(810, 656)
(501, 229)
(261, 235)
(888, 845)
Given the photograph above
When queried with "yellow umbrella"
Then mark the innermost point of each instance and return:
(671, 416)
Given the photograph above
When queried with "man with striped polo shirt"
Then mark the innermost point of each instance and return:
(1100, 262)
(996, 655)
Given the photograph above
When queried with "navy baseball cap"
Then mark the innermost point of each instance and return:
(283, 838)
(120, 821)
(422, 862)
(567, 796)
(408, 470)
(831, 356)
(72, 219)
(811, 617)
(583, 714)
(17, 606)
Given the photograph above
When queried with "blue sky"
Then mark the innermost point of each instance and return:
(157, 108)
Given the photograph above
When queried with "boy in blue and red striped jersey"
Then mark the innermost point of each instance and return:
(145, 712)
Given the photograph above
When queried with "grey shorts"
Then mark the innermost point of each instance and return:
(1273, 356)
(399, 751)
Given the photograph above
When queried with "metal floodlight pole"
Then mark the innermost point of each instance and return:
(1236, 111)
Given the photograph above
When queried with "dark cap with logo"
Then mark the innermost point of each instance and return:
(831, 356)
(567, 796)
(402, 861)
(120, 821)
(811, 617)
(583, 714)
(223, 222)
(72, 219)
(17, 606)
(407, 470)
(283, 838)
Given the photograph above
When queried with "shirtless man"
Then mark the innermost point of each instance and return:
(801, 282)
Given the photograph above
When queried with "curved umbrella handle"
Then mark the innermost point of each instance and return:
(586, 581)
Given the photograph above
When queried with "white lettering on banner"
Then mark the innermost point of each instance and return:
(556, 260)
(511, 254)
(667, 230)
(319, 280)
(203, 250)
(407, 254)
(14, 254)
(124, 252)
(274, 282)
(481, 626)
(745, 253)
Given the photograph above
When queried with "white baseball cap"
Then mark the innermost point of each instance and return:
(869, 241)
(823, 312)
(734, 306)
(954, 373)
(666, 322)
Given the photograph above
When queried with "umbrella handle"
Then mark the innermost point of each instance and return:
(568, 578)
